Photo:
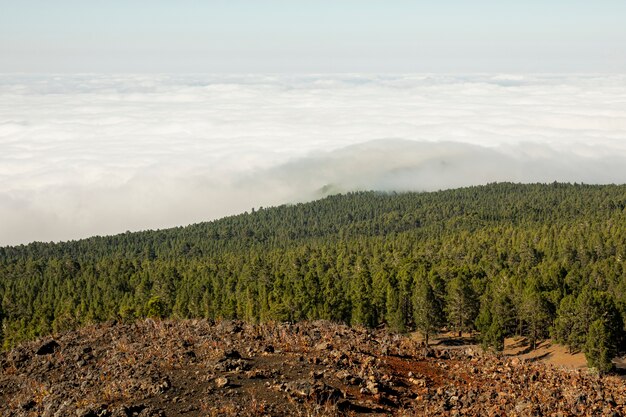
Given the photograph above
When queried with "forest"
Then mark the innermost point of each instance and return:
(538, 260)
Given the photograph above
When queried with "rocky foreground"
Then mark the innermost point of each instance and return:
(199, 368)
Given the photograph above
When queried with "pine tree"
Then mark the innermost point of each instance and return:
(427, 313)
(394, 316)
(462, 304)
(563, 329)
(1, 327)
(361, 302)
(600, 347)
(536, 314)
(494, 336)
(156, 308)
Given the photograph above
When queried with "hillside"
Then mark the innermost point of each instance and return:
(230, 368)
(504, 259)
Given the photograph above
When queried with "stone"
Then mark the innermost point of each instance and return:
(48, 348)
(221, 382)
(373, 387)
(323, 346)
(232, 354)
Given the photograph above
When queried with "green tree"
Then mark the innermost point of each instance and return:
(462, 305)
(494, 336)
(575, 317)
(355, 258)
(565, 324)
(536, 313)
(600, 347)
(362, 312)
(1, 327)
(427, 313)
(394, 314)
(156, 308)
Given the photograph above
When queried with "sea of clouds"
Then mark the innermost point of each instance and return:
(99, 154)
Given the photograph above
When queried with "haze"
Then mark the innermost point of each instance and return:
(252, 36)
(122, 116)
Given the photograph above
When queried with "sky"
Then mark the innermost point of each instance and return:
(286, 36)
(142, 114)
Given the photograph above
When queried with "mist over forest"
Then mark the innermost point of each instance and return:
(101, 154)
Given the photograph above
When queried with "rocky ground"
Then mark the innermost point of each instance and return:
(200, 368)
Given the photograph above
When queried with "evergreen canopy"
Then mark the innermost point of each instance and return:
(502, 259)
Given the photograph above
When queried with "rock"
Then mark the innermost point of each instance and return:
(228, 365)
(28, 405)
(155, 385)
(442, 354)
(372, 387)
(300, 388)
(418, 382)
(348, 378)
(18, 357)
(129, 410)
(231, 327)
(221, 382)
(232, 354)
(323, 346)
(316, 374)
(259, 374)
(317, 391)
(136, 362)
(47, 348)
(315, 360)
(96, 411)
(522, 407)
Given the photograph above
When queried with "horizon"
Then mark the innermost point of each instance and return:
(93, 154)
(72, 36)
(130, 116)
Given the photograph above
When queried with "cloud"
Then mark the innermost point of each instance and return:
(88, 154)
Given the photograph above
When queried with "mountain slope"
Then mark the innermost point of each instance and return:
(487, 254)
(231, 368)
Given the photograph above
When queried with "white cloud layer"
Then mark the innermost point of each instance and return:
(90, 154)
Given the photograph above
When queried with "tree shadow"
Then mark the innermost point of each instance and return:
(621, 372)
(456, 341)
(524, 351)
(522, 342)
